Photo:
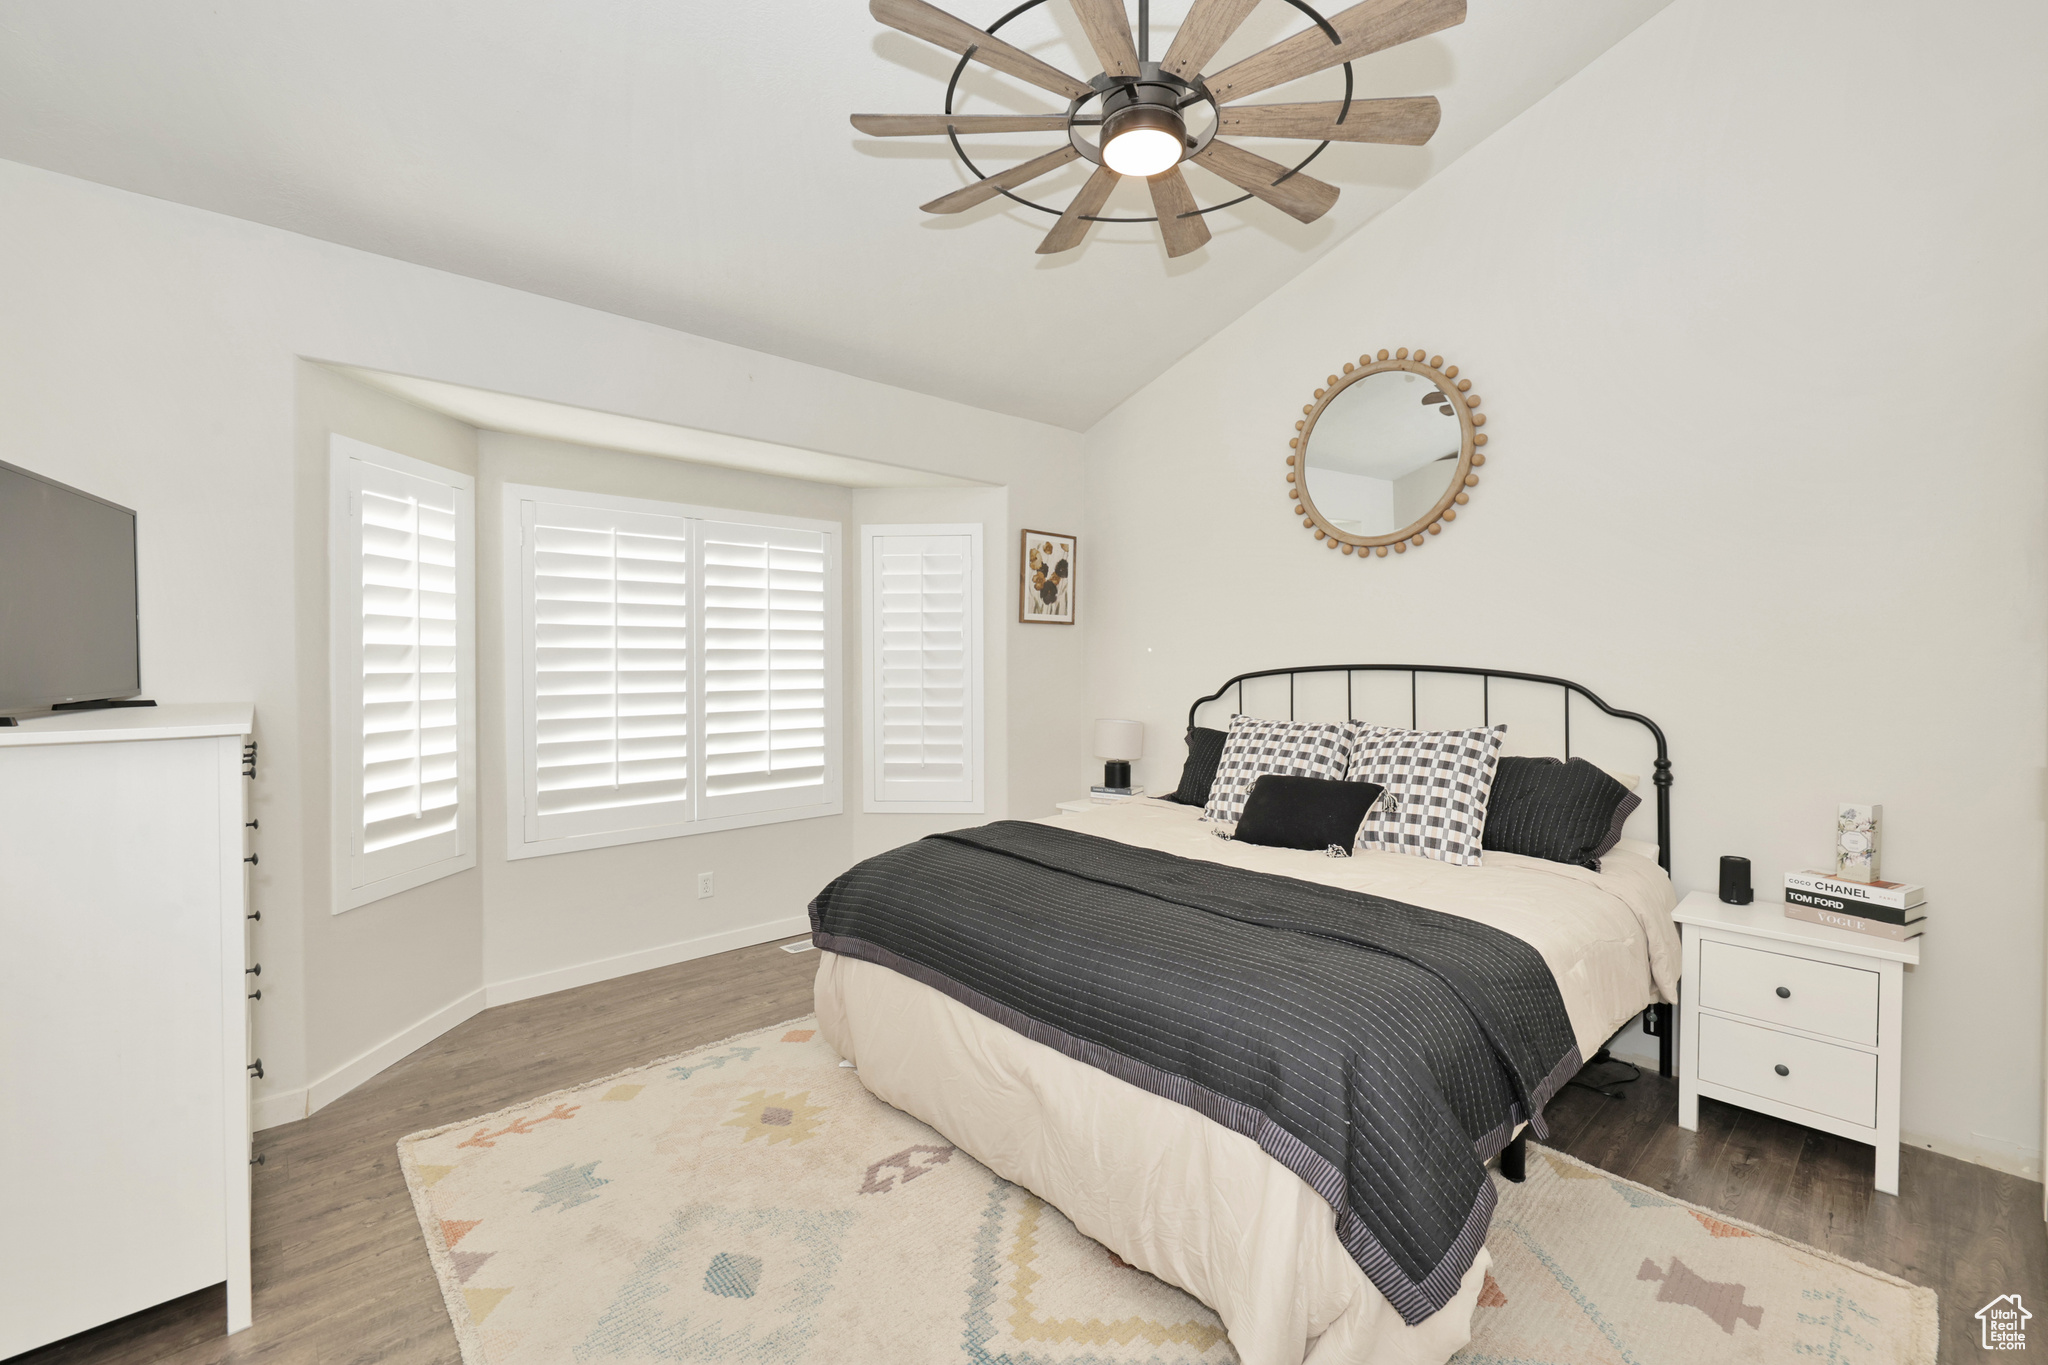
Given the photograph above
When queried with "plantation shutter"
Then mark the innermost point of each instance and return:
(403, 655)
(923, 620)
(608, 670)
(764, 594)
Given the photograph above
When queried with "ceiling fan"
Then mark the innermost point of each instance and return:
(1150, 116)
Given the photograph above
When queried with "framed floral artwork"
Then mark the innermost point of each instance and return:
(1046, 593)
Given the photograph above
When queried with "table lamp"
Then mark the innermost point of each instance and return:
(1118, 742)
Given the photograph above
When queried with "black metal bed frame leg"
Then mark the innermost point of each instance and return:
(1667, 1021)
(1514, 1158)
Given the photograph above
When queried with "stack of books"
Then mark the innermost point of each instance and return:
(1891, 910)
(1110, 795)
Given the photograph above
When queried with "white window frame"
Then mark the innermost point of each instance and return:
(520, 758)
(357, 879)
(871, 683)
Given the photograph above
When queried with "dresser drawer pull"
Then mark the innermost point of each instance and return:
(1782, 1069)
(1784, 992)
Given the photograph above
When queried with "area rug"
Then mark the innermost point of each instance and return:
(751, 1202)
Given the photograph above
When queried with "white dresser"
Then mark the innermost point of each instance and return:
(1792, 1019)
(124, 1093)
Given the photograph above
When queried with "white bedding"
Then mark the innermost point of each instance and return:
(1184, 1198)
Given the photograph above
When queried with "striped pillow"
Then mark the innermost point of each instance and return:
(1564, 812)
(1285, 748)
(1435, 785)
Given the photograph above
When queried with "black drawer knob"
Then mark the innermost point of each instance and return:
(1782, 1069)
(1784, 993)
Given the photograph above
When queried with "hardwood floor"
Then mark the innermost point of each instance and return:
(342, 1273)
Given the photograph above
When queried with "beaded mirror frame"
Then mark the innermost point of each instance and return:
(1456, 493)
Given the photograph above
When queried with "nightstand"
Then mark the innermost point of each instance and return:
(1792, 1019)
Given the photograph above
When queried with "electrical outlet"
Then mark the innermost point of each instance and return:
(703, 886)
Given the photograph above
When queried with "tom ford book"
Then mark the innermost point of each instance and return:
(1814, 901)
(1897, 895)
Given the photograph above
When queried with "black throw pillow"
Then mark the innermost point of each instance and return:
(1305, 812)
(1205, 751)
(1562, 812)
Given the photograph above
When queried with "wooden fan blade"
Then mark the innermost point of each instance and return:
(1109, 33)
(1202, 34)
(981, 191)
(1299, 196)
(1171, 198)
(1073, 225)
(1407, 122)
(1365, 28)
(912, 125)
(934, 25)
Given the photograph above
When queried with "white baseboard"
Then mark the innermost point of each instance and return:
(284, 1106)
(279, 1106)
(2009, 1157)
(1631, 1044)
(625, 964)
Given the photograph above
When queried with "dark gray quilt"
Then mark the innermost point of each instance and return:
(1381, 1051)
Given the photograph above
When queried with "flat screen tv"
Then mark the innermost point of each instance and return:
(67, 596)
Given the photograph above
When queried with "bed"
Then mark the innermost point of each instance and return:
(1196, 1188)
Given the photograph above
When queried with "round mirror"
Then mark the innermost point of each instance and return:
(1385, 453)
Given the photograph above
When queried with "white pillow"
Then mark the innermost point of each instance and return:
(1638, 847)
(1253, 748)
(1434, 785)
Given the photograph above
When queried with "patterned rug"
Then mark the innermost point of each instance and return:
(750, 1201)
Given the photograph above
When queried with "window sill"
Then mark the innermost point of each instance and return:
(517, 846)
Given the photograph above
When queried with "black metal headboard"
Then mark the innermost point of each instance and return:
(1662, 776)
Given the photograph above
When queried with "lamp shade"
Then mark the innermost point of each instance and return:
(1120, 740)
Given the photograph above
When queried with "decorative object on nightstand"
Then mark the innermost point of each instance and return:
(1120, 743)
(1891, 910)
(1791, 1019)
(1856, 829)
(1735, 884)
(1082, 805)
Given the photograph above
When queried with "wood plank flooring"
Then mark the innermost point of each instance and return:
(342, 1275)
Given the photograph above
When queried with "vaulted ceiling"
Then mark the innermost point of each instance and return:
(691, 164)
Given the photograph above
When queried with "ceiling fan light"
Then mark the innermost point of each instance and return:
(1143, 140)
(1142, 152)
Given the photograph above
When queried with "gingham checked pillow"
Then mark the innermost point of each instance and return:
(1289, 748)
(1435, 784)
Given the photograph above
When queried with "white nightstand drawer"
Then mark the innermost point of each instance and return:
(1797, 992)
(1836, 1081)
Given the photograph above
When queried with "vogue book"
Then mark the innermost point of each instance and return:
(1855, 924)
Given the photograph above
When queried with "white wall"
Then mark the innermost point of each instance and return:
(150, 354)
(1761, 335)
(409, 965)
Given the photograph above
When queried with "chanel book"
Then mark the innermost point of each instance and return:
(1897, 895)
(1855, 924)
(1815, 901)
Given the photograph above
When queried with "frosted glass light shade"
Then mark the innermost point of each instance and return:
(1142, 152)
(1120, 740)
